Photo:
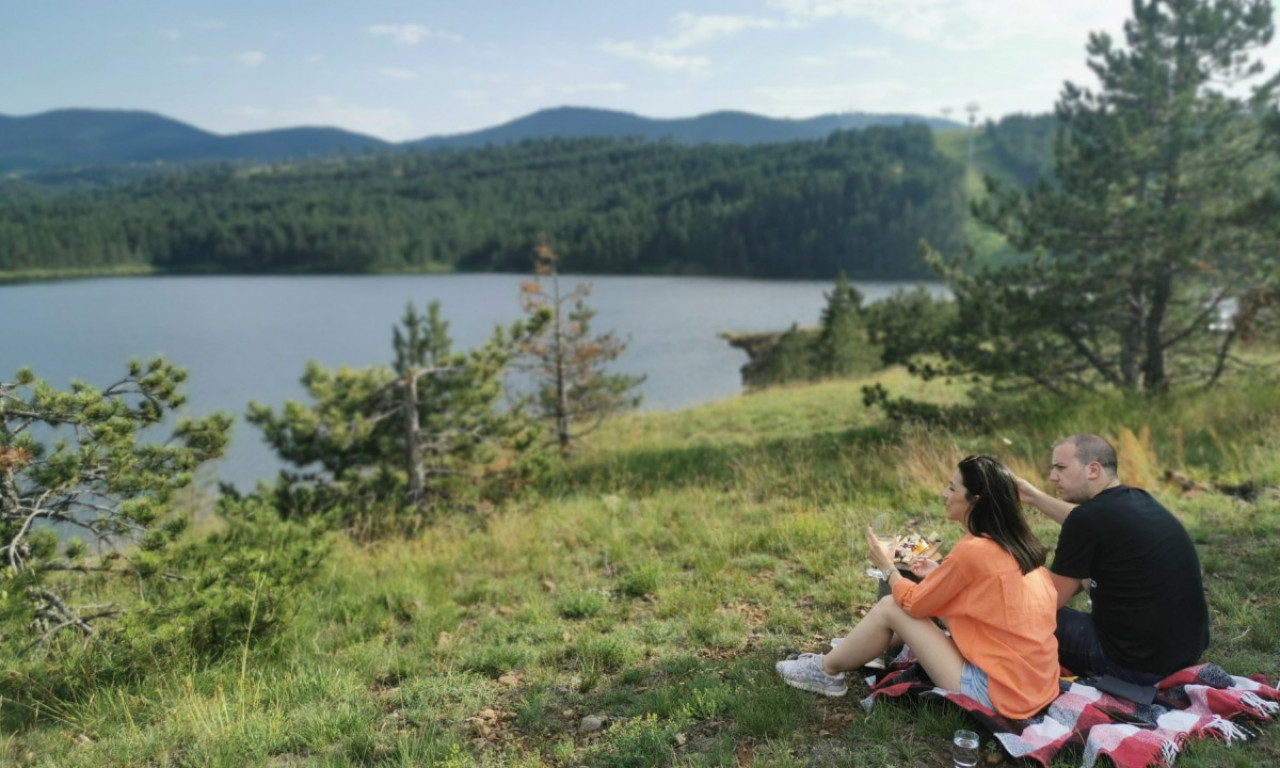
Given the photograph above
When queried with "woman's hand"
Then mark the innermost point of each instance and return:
(881, 557)
(922, 566)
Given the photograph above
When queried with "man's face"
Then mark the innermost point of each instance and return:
(1069, 475)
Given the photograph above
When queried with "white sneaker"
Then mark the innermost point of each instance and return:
(806, 674)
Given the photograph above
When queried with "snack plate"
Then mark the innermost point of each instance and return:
(912, 545)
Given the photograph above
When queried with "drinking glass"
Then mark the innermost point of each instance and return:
(879, 525)
(964, 749)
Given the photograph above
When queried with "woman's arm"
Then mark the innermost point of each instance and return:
(882, 558)
(946, 581)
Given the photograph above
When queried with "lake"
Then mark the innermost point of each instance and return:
(249, 338)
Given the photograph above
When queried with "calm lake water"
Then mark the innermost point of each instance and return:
(248, 338)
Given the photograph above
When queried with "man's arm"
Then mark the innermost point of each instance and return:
(1067, 588)
(1053, 508)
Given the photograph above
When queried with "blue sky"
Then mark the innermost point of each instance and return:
(403, 70)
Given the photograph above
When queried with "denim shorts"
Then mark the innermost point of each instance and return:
(973, 683)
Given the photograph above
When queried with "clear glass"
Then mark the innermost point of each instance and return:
(880, 526)
(964, 749)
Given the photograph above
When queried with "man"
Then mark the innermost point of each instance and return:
(1149, 614)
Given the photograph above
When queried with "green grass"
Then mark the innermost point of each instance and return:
(990, 247)
(652, 582)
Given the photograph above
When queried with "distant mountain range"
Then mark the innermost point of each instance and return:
(89, 137)
(711, 128)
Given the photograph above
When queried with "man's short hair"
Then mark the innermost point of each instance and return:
(1091, 448)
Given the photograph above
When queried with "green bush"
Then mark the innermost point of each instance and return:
(908, 323)
(202, 600)
(218, 593)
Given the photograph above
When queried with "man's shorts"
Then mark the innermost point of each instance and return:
(1080, 650)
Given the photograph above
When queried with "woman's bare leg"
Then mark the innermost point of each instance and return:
(871, 636)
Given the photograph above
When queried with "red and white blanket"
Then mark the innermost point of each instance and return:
(1196, 703)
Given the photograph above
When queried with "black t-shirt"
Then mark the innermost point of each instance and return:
(1148, 598)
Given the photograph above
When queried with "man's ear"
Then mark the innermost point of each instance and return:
(1094, 470)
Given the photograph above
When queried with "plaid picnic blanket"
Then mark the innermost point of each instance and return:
(1196, 703)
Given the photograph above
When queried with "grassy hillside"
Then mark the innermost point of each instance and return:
(648, 587)
(989, 246)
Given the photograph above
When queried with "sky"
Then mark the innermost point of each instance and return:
(401, 70)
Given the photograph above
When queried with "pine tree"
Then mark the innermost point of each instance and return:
(1153, 231)
(420, 431)
(841, 347)
(83, 461)
(575, 393)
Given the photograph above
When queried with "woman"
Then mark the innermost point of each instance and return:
(992, 590)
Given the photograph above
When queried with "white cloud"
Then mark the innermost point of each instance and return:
(966, 25)
(397, 74)
(183, 31)
(666, 54)
(843, 56)
(692, 29)
(250, 59)
(410, 34)
(663, 61)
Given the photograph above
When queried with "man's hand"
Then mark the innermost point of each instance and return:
(1053, 508)
(1026, 491)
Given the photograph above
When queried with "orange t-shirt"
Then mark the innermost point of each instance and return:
(1001, 621)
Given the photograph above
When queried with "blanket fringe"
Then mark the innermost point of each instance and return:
(1169, 752)
(1259, 705)
(1228, 730)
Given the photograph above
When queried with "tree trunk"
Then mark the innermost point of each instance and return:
(1131, 342)
(413, 439)
(1154, 377)
(562, 388)
(562, 398)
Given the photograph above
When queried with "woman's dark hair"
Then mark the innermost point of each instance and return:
(997, 511)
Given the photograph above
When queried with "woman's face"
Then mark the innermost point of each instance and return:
(954, 498)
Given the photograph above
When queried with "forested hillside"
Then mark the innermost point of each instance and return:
(859, 201)
(1021, 147)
